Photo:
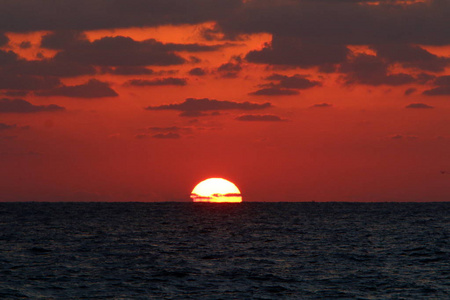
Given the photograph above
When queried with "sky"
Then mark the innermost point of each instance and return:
(292, 100)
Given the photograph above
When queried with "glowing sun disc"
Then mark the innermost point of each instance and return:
(216, 190)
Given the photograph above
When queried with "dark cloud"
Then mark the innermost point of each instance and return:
(274, 91)
(197, 72)
(325, 21)
(4, 40)
(260, 118)
(419, 106)
(411, 56)
(230, 69)
(7, 57)
(371, 70)
(120, 51)
(442, 80)
(205, 104)
(22, 106)
(170, 129)
(62, 39)
(25, 15)
(345, 22)
(157, 82)
(26, 82)
(25, 45)
(195, 47)
(198, 198)
(424, 78)
(194, 59)
(168, 135)
(322, 105)
(439, 91)
(297, 81)
(400, 137)
(4, 126)
(211, 34)
(231, 195)
(49, 67)
(193, 114)
(442, 89)
(92, 89)
(128, 70)
(292, 51)
(124, 51)
(15, 93)
(396, 137)
(410, 91)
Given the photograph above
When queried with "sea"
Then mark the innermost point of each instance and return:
(225, 251)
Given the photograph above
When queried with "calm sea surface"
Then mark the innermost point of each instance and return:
(224, 251)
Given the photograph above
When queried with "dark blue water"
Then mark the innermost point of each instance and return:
(224, 251)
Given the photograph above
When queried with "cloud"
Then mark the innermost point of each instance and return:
(411, 56)
(442, 80)
(439, 91)
(198, 198)
(157, 82)
(26, 82)
(442, 89)
(197, 72)
(424, 78)
(4, 40)
(195, 47)
(205, 104)
(15, 93)
(12, 67)
(128, 70)
(49, 67)
(230, 69)
(25, 45)
(23, 106)
(92, 89)
(325, 21)
(120, 51)
(4, 126)
(322, 105)
(292, 51)
(193, 114)
(169, 129)
(286, 85)
(125, 51)
(371, 70)
(62, 39)
(7, 57)
(419, 106)
(296, 81)
(410, 91)
(260, 118)
(274, 91)
(400, 137)
(345, 22)
(168, 135)
(25, 15)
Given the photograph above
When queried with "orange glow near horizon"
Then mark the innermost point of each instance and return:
(216, 190)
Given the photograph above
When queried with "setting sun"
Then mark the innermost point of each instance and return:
(217, 190)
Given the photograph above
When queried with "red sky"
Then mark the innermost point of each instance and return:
(292, 100)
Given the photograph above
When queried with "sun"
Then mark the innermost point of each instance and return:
(216, 190)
